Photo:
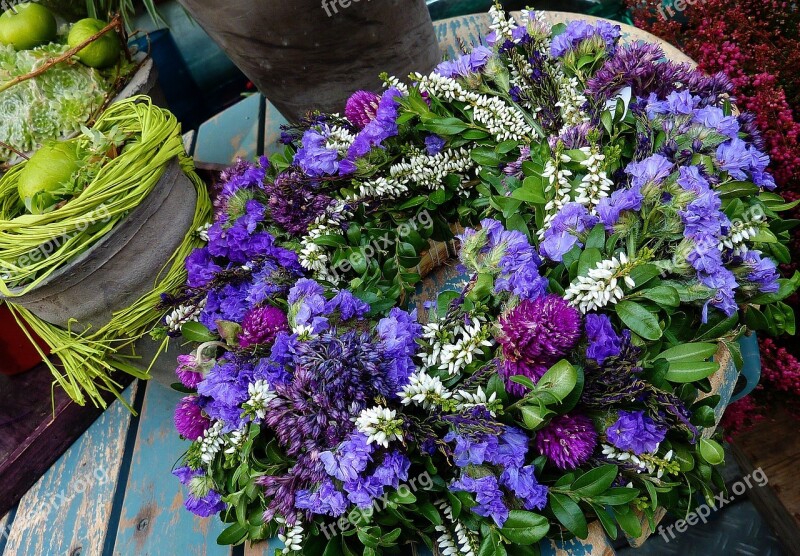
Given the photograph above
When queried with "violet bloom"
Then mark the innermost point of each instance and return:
(201, 268)
(261, 325)
(392, 470)
(470, 450)
(362, 108)
(734, 158)
(610, 209)
(715, 118)
(434, 144)
(350, 459)
(189, 419)
(293, 201)
(306, 302)
(188, 371)
(398, 333)
(348, 305)
(578, 31)
(511, 449)
(677, 103)
(758, 169)
(603, 340)
(326, 500)
(487, 494)
(635, 432)
(653, 169)
(465, 65)
(314, 158)
(691, 180)
(568, 441)
(205, 505)
(562, 235)
(364, 490)
(379, 129)
(763, 272)
(523, 484)
(243, 175)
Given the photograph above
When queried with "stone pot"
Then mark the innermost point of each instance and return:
(124, 264)
(307, 54)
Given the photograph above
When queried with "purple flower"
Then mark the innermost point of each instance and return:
(603, 341)
(398, 333)
(508, 369)
(326, 500)
(379, 129)
(188, 372)
(609, 209)
(206, 505)
(567, 440)
(362, 108)
(392, 470)
(189, 419)
(314, 158)
(715, 118)
(471, 451)
(225, 387)
(364, 490)
(578, 30)
(653, 169)
(691, 180)
(523, 484)
(294, 202)
(635, 432)
(434, 144)
(201, 268)
(261, 325)
(467, 64)
(539, 332)
(734, 158)
(347, 304)
(243, 175)
(762, 272)
(677, 103)
(351, 459)
(561, 236)
(487, 494)
(306, 302)
(510, 450)
(758, 169)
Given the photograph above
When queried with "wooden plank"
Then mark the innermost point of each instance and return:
(6, 522)
(69, 509)
(153, 520)
(231, 134)
(37, 424)
(774, 447)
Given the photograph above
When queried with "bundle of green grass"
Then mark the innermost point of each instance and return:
(99, 177)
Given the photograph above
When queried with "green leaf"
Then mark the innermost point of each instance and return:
(569, 514)
(485, 156)
(666, 296)
(533, 415)
(596, 238)
(445, 126)
(786, 287)
(334, 547)
(639, 320)
(559, 380)
(616, 496)
(737, 189)
(332, 240)
(628, 521)
(695, 351)
(643, 273)
(429, 512)
(532, 190)
(232, 535)
(691, 371)
(711, 451)
(196, 332)
(605, 520)
(596, 481)
(525, 528)
(588, 260)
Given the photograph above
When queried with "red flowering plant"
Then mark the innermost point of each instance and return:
(757, 44)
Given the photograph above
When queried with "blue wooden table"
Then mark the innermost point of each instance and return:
(112, 492)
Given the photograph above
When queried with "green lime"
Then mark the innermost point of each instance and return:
(27, 25)
(47, 171)
(102, 52)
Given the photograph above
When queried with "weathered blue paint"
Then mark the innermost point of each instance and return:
(232, 134)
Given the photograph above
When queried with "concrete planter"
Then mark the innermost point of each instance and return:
(123, 265)
(307, 55)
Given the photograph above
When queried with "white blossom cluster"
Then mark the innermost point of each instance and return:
(340, 140)
(202, 231)
(602, 285)
(430, 171)
(503, 121)
(468, 400)
(740, 232)
(558, 180)
(291, 537)
(443, 87)
(452, 350)
(380, 425)
(212, 443)
(500, 24)
(235, 441)
(183, 314)
(595, 185)
(424, 390)
(392, 81)
(463, 542)
(380, 187)
(259, 395)
(315, 257)
(642, 462)
(571, 101)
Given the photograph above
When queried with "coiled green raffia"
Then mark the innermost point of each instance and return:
(88, 358)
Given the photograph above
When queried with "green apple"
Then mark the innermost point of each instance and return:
(48, 171)
(27, 25)
(102, 52)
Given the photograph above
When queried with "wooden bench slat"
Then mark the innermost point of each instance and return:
(153, 520)
(70, 507)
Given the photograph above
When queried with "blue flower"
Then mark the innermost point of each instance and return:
(487, 494)
(201, 268)
(434, 144)
(327, 500)
(763, 272)
(470, 451)
(610, 208)
(398, 333)
(393, 469)
(206, 505)
(734, 157)
(577, 31)
(510, 450)
(351, 459)
(636, 432)
(758, 169)
(380, 129)
(691, 180)
(306, 303)
(349, 306)
(603, 340)
(314, 158)
(363, 491)
(715, 118)
(561, 236)
(523, 484)
(653, 169)
(465, 65)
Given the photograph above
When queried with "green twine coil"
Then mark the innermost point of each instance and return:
(88, 358)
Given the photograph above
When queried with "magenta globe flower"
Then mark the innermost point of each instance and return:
(261, 325)
(189, 419)
(188, 371)
(568, 441)
(362, 108)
